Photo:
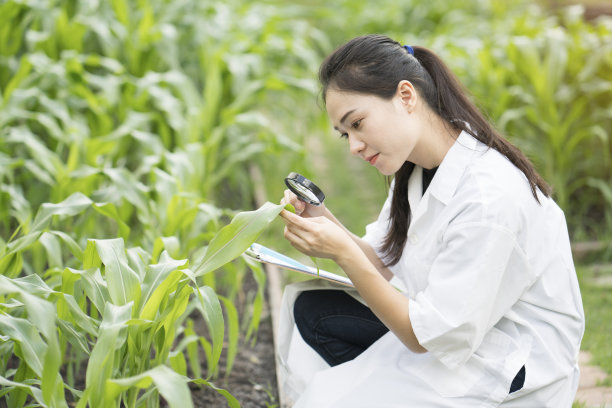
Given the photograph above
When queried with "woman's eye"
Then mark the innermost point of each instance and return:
(344, 136)
(356, 124)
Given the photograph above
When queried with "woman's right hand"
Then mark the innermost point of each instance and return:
(301, 208)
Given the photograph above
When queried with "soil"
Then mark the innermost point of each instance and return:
(252, 380)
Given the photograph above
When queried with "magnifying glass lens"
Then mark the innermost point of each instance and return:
(305, 189)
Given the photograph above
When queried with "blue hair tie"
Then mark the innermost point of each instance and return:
(409, 49)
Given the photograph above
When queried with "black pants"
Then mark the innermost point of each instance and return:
(339, 328)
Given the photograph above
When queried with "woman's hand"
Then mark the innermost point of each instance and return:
(318, 236)
(301, 208)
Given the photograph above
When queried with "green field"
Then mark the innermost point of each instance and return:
(129, 132)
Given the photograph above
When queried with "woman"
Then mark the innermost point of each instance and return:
(491, 314)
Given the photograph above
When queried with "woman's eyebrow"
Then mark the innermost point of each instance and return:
(344, 117)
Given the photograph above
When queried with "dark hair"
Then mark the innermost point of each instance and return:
(375, 64)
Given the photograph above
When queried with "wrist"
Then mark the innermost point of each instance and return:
(350, 255)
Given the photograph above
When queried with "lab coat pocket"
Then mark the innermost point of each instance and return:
(446, 382)
(415, 272)
(502, 356)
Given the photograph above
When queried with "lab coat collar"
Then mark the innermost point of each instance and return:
(446, 180)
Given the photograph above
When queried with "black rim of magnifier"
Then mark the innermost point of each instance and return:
(303, 181)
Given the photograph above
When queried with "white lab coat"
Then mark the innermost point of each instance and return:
(492, 287)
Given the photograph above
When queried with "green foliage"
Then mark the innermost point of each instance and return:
(232, 240)
(125, 128)
(127, 132)
(120, 310)
(597, 300)
(547, 83)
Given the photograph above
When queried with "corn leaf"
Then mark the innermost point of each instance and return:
(157, 291)
(255, 318)
(110, 211)
(171, 385)
(33, 391)
(231, 400)
(233, 239)
(233, 333)
(102, 359)
(210, 308)
(71, 206)
(123, 282)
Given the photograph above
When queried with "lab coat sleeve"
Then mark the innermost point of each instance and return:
(477, 276)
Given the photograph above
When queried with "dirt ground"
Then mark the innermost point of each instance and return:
(252, 380)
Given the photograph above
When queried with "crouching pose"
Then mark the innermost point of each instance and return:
(490, 314)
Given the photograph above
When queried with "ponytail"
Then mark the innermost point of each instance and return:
(375, 64)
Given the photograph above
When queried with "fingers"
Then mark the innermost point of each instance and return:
(293, 220)
(294, 239)
(301, 222)
(303, 241)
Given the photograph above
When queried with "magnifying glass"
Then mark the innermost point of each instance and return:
(305, 189)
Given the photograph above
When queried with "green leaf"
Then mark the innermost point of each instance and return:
(231, 400)
(71, 206)
(178, 363)
(122, 12)
(94, 286)
(41, 313)
(91, 259)
(170, 244)
(11, 265)
(25, 333)
(255, 318)
(314, 260)
(191, 345)
(171, 315)
(75, 337)
(110, 211)
(75, 249)
(130, 188)
(210, 308)
(22, 243)
(101, 363)
(171, 385)
(33, 391)
(233, 239)
(233, 333)
(24, 70)
(158, 291)
(290, 207)
(123, 282)
(79, 318)
(52, 248)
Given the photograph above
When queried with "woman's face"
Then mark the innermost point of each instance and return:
(380, 131)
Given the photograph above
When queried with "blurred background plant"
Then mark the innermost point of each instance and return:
(143, 120)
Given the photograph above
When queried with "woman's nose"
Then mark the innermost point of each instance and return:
(356, 145)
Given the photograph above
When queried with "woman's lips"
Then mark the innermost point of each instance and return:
(372, 159)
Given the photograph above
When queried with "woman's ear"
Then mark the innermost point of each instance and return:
(407, 95)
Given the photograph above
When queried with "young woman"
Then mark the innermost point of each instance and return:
(491, 314)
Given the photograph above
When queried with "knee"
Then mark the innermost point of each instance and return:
(303, 309)
(307, 310)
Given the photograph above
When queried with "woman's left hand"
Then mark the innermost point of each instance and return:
(317, 236)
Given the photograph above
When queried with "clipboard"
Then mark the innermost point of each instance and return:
(264, 254)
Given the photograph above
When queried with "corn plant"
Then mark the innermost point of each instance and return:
(137, 119)
(121, 314)
(549, 88)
